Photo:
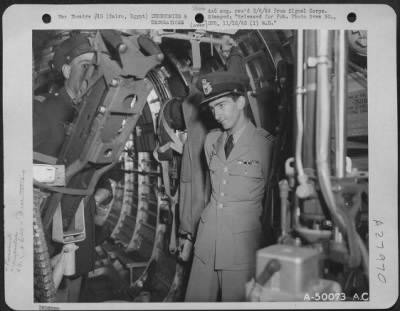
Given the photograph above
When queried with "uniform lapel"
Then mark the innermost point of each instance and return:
(243, 144)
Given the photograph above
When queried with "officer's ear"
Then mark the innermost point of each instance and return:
(66, 70)
(241, 101)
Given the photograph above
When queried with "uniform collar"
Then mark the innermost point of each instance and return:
(241, 146)
(236, 136)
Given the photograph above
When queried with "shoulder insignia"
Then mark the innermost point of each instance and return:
(268, 136)
(39, 98)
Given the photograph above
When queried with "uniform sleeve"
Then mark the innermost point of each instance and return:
(185, 194)
(207, 150)
(267, 149)
(207, 153)
(266, 219)
(194, 190)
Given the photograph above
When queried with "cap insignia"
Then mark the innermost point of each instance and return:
(207, 88)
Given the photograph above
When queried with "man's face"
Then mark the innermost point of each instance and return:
(75, 72)
(227, 111)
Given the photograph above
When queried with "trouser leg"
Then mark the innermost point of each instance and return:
(233, 284)
(203, 283)
(74, 288)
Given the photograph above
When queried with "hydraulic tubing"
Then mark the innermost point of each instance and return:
(323, 124)
(310, 101)
(299, 104)
(364, 254)
(340, 107)
(284, 194)
(342, 218)
(310, 235)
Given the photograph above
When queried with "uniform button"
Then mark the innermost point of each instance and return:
(222, 194)
(224, 182)
(220, 205)
(225, 169)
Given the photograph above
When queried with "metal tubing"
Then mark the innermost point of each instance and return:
(310, 101)
(284, 194)
(340, 107)
(310, 235)
(364, 255)
(299, 102)
(323, 127)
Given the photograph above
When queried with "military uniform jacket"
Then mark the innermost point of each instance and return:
(229, 231)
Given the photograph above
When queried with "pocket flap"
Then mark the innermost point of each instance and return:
(246, 170)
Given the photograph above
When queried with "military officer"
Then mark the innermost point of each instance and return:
(195, 184)
(52, 113)
(238, 157)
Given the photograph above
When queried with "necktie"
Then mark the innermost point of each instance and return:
(228, 146)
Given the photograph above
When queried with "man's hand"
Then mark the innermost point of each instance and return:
(185, 246)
